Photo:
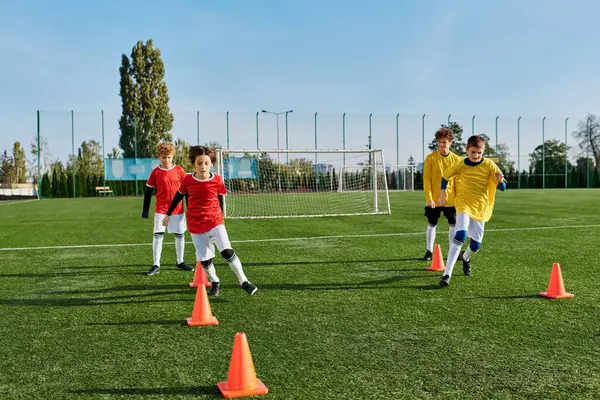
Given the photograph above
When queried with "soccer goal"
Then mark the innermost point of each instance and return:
(303, 183)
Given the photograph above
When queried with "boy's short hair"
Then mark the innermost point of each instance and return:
(475, 141)
(444, 133)
(166, 148)
(196, 151)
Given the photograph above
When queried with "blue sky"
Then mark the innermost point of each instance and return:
(506, 58)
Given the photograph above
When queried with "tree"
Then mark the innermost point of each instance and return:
(44, 154)
(588, 135)
(146, 118)
(115, 153)
(89, 161)
(182, 151)
(458, 145)
(6, 168)
(19, 163)
(554, 156)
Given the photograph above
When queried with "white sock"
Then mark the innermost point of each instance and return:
(211, 273)
(451, 233)
(179, 246)
(452, 257)
(468, 254)
(430, 237)
(157, 247)
(236, 266)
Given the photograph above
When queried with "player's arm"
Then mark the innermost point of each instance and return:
(427, 172)
(221, 199)
(147, 200)
(498, 177)
(446, 176)
(175, 202)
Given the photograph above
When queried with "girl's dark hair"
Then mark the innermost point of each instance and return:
(475, 141)
(444, 133)
(196, 151)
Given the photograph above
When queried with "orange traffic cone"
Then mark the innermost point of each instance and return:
(437, 264)
(556, 287)
(241, 380)
(200, 277)
(201, 314)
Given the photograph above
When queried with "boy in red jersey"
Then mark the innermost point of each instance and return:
(166, 179)
(205, 219)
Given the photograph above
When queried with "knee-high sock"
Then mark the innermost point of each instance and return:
(157, 243)
(236, 266)
(210, 271)
(451, 233)
(179, 246)
(430, 237)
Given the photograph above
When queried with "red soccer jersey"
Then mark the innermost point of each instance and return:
(166, 182)
(203, 210)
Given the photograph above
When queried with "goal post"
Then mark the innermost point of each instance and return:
(266, 183)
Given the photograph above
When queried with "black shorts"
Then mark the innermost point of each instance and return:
(433, 214)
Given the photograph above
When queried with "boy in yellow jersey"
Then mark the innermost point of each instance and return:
(476, 179)
(435, 164)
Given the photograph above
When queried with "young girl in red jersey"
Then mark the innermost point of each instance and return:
(205, 219)
(166, 179)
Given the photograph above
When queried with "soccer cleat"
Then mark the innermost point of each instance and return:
(154, 270)
(215, 289)
(466, 266)
(445, 281)
(249, 287)
(185, 266)
(428, 256)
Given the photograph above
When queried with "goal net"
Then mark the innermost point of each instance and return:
(303, 183)
(401, 177)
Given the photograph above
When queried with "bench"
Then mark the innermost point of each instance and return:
(103, 190)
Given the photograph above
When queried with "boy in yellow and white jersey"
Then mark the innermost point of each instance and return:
(435, 164)
(477, 178)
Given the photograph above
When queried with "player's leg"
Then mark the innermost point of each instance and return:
(450, 214)
(205, 253)
(177, 226)
(221, 239)
(476, 229)
(460, 235)
(433, 215)
(157, 244)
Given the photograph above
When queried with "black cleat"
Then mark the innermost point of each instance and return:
(466, 267)
(185, 266)
(428, 256)
(154, 270)
(445, 281)
(215, 289)
(249, 287)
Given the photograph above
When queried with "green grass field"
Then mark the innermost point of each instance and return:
(345, 310)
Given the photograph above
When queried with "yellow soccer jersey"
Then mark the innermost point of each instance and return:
(435, 165)
(475, 187)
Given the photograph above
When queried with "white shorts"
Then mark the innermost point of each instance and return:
(177, 223)
(203, 242)
(473, 227)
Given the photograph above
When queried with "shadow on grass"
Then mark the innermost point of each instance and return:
(208, 391)
(96, 301)
(54, 274)
(522, 296)
(309, 262)
(181, 286)
(374, 284)
(181, 322)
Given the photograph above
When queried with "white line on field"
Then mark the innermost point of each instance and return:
(291, 239)
(16, 202)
